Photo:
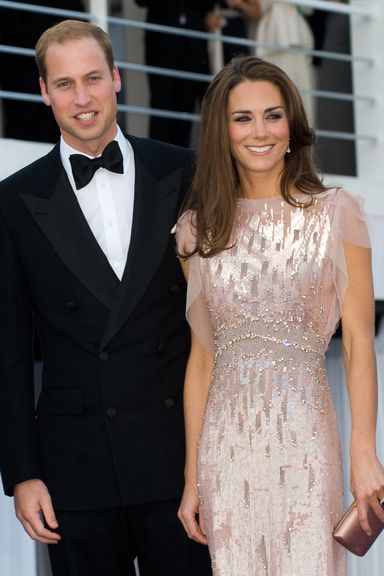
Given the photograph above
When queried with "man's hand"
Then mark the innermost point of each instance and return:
(33, 504)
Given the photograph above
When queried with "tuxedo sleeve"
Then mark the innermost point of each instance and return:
(18, 440)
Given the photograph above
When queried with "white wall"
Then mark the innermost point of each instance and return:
(17, 153)
(17, 551)
(367, 41)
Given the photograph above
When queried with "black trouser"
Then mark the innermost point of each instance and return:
(106, 542)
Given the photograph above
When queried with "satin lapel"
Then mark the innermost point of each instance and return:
(63, 223)
(153, 218)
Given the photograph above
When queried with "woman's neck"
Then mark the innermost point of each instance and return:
(260, 185)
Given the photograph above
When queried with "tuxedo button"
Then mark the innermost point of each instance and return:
(174, 289)
(70, 305)
(103, 356)
(111, 412)
(160, 347)
(169, 402)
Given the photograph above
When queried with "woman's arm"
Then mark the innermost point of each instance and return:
(250, 8)
(196, 385)
(367, 473)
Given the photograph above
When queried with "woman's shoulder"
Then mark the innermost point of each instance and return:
(185, 231)
(337, 194)
(350, 221)
(342, 198)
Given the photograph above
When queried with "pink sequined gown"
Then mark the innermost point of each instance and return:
(270, 475)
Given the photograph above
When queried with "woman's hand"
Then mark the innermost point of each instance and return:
(190, 514)
(249, 8)
(234, 3)
(367, 486)
(213, 21)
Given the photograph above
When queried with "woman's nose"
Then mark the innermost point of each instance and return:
(258, 128)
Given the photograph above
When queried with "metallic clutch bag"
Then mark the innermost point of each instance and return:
(349, 533)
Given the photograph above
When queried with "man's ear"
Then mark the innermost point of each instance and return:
(44, 92)
(116, 79)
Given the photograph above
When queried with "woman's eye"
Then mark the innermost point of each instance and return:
(242, 118)
(274, 116)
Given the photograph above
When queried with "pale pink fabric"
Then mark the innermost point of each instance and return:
(269, 463)
(196, 308)
(349, 224)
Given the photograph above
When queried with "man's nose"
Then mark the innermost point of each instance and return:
(82, 95)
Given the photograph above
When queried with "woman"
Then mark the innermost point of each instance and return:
(273, 260)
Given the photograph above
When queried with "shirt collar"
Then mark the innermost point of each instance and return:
(66, 151)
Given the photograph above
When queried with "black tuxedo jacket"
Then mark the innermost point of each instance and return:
(108, 427)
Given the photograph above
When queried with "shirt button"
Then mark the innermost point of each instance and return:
(103, 356)
(111, 412)
(70, 305)
(168, 403)
(160, 347)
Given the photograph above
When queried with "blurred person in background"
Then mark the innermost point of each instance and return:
(183, 53)
(230, 18)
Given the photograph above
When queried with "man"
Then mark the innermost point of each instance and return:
(88, 261)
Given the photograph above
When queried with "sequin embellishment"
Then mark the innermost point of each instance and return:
(269, 463)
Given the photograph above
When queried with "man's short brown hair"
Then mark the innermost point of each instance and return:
(71, 30)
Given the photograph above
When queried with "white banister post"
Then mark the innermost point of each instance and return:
(99, 9)
(367, 39)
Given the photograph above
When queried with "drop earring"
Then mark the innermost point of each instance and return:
(288, 148)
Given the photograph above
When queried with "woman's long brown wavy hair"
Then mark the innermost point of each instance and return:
(215, 187)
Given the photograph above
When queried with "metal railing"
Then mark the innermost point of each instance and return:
(367, 11)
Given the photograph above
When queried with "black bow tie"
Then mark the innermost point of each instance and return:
(83, 168)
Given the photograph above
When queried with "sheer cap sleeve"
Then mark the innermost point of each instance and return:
(196, 309)
(350, 225)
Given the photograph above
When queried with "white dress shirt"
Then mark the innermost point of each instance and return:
(107, 203)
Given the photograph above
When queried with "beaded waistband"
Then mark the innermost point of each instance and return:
(289, 337)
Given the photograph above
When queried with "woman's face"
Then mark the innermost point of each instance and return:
(258, 128)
